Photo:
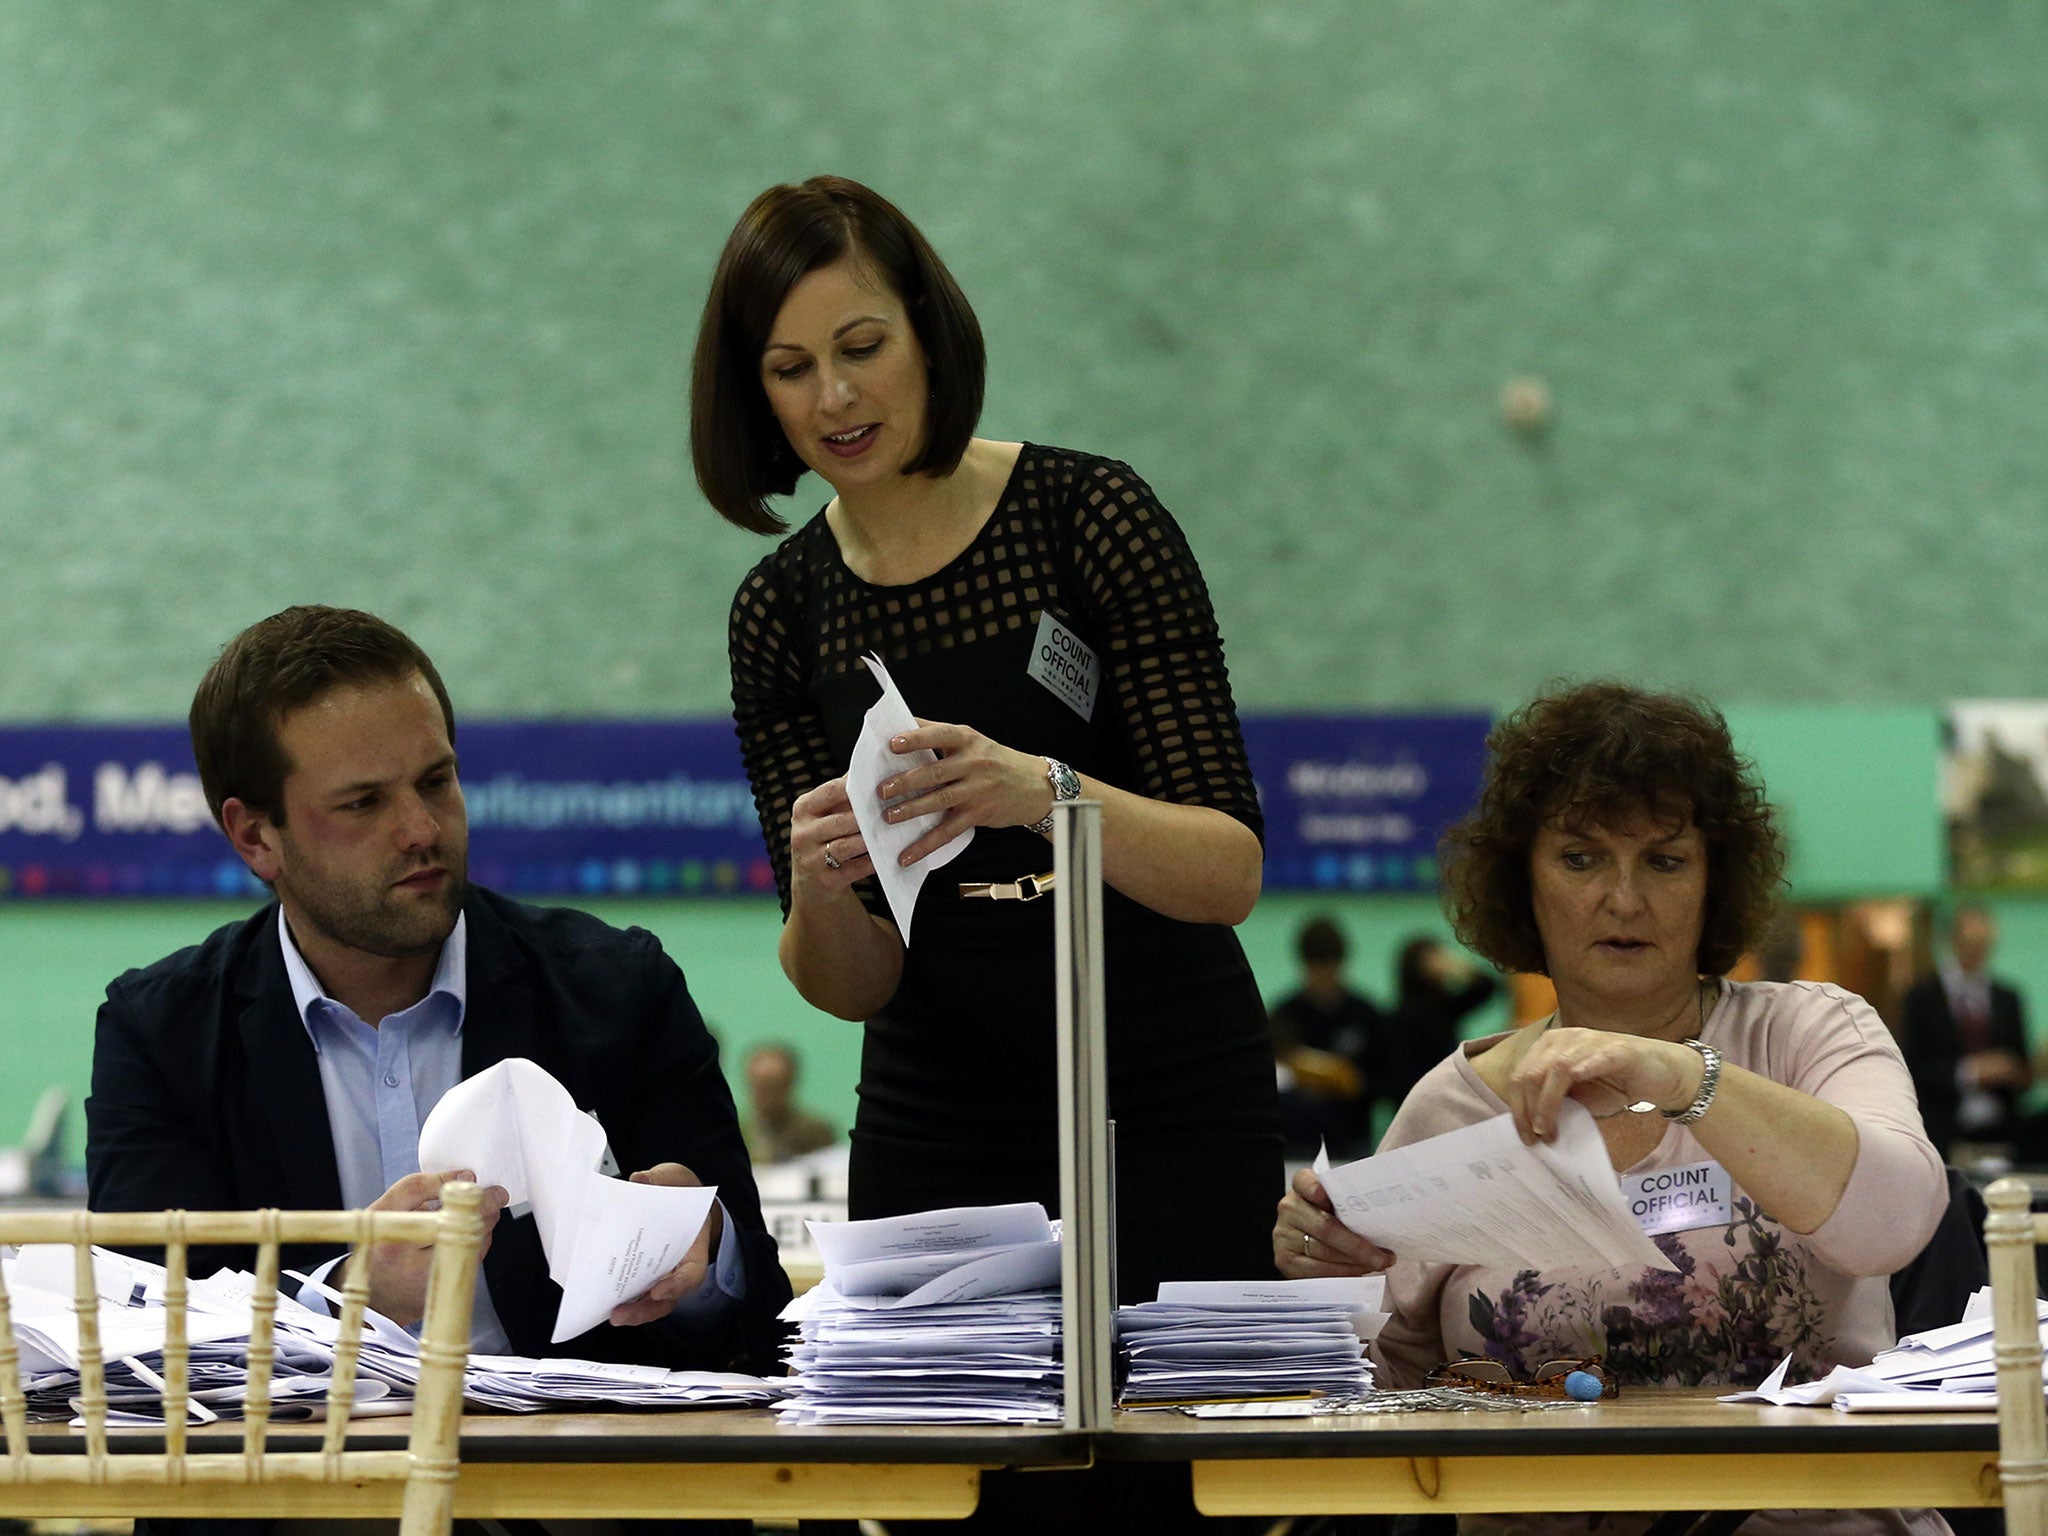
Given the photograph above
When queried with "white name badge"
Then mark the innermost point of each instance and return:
(1066, 664)
(1680, 1199)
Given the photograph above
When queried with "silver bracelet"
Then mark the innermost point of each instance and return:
(1709, 1081)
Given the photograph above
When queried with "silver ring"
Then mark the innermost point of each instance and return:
(1305, 1241)
(830, 862)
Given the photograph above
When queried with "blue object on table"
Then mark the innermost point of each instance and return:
(1584, 1387)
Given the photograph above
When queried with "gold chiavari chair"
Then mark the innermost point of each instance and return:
(2010, 1232)
(94, 1474)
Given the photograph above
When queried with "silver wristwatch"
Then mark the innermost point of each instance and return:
(1066, 785)
(1710, 1079)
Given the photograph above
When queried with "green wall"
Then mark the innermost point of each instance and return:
(60, 956)
(1856, 788)
(389, 302)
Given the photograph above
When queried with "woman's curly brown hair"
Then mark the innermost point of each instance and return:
(1600, 754)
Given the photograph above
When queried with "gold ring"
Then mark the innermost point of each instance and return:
(1305, 1241)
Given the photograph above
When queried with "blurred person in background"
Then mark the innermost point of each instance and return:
(1965, 1037)
(1327, 1040)
(1781, 950)
(775, 1126)
(1435, 990)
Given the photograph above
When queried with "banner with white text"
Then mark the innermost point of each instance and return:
(662, 807)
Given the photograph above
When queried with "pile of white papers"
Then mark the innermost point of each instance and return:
(944, 1317)
(218, 1325)
(1477, 1195)
(519, 1385)
(1209, 1340)
(1942, 1369)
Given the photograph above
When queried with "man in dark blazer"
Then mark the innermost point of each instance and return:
(1964, 1037)
(289, 1059)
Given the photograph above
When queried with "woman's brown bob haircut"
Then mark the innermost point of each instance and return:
(741, 455)
(275, 666)
(1600, 755)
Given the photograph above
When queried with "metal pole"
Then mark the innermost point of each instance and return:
(1088, 1227)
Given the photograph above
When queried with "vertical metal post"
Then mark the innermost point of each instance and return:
(1087, 1247)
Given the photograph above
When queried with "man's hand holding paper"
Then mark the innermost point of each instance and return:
(398, 1271)
(609, 1242)
(688, 1277)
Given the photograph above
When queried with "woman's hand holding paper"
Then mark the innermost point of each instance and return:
(1309, 1241)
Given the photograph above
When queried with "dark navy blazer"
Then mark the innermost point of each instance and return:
(206, 1096)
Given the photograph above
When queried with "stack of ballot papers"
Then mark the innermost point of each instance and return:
(1943, 1369)
(132, 1324)
(943, 1317)
(1204, 1341)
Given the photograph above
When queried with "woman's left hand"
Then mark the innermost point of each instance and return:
(1605, 1072)
(975, 783)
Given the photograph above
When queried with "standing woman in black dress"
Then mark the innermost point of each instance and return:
(834, 340)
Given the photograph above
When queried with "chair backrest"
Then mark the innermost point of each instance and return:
(181, 1481)
(2010, 1233)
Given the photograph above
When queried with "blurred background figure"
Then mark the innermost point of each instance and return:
(1964, 1036)
(1781, 950)
(1326, 1040)
(775, 1126)
(1435, 989)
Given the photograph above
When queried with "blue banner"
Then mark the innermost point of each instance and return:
(1357, 802)
(591, 808)
(565, 808)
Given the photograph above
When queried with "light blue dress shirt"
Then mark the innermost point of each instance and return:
(380, 1084)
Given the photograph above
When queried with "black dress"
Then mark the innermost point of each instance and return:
(957, 1097)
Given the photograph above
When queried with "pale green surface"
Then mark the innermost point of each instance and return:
(1856, 785)
(61, 957)
(389, 302)
(1859, 793)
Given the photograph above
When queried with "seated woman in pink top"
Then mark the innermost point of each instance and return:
(1621, 847)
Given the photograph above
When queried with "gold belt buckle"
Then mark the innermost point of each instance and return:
(1030, 888)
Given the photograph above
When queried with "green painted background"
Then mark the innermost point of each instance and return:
(388, 302)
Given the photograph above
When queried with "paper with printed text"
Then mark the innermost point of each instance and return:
(1477, 1195)
(606, 1240)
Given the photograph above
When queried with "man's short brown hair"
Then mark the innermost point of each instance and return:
(1602, 754)
(741, 454)
(275, 666)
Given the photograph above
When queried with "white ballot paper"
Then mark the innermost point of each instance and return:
(896, 1255)
(873, 762)
(607, 1240)
(1476, 1195)
(1937, 1370)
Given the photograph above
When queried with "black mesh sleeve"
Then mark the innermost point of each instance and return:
(1164, 656)
(782, 738)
